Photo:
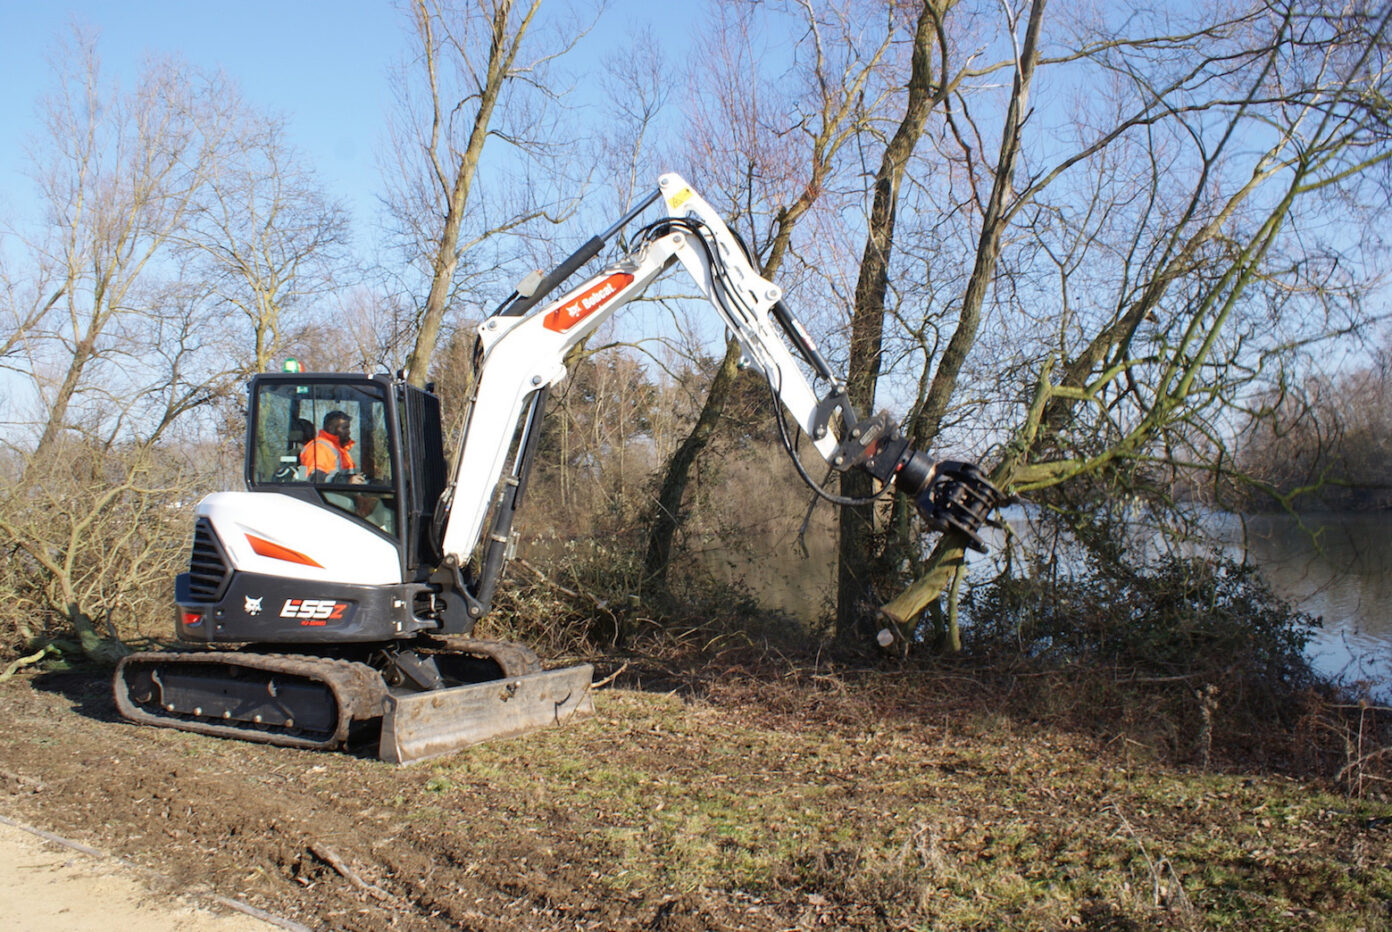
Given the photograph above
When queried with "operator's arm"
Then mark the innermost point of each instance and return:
(319, 460)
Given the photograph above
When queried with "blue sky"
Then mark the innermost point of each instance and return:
(322, 65)
(325, 73)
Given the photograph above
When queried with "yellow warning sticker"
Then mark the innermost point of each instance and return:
(680, 198)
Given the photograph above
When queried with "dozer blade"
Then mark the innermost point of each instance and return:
(418, 726)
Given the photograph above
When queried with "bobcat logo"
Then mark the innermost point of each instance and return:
(252, 606)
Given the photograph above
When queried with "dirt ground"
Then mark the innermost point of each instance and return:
(318, 840)
(757, 806)
(51, 884)
(278, 830)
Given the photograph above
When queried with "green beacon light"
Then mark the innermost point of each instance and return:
(291, 364)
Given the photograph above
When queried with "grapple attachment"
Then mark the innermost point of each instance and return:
(959, 497)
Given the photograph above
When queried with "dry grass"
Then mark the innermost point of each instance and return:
(887, 802)
(729, 795)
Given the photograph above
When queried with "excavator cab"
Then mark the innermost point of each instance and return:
(386, 468)
(295, 451)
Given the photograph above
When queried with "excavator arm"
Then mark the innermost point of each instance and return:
(521, 349)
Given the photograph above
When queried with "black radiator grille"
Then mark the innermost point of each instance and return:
(208, 570)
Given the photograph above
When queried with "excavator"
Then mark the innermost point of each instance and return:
(336, 596)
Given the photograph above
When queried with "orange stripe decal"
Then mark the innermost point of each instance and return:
(586, 303)
(265, 548)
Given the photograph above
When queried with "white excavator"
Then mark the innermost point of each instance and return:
(335, 597)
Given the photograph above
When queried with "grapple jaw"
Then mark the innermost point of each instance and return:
(958, 497)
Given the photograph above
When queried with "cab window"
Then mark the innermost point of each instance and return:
(328, 437)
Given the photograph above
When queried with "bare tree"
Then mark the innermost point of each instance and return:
(24, 310)
(120, 339)
(772, 175)
(470, 61)
(930, 81)
(1181, 217)
(120, 175)
(266, 238)
(1324, 440)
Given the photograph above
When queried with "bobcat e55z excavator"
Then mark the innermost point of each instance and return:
(338, 592)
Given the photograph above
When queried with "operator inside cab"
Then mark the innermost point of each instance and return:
(326, 458)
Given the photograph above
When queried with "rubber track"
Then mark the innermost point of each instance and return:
(357, 688)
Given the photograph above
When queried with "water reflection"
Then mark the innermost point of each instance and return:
(1335, 566)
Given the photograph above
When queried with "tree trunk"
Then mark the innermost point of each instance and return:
(993, 224)
(924, 429)
(854, 585)
(667, 518)
(506, 39)
(58, 409)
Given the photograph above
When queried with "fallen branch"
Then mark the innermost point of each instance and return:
(15, 666)
(331, 858)
(517, 561)
(610, 678)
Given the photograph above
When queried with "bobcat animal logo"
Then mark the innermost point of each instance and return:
(252, 606)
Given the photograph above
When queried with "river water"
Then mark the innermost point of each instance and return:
(1337, 566)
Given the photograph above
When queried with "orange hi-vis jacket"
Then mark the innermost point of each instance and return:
(324, 454)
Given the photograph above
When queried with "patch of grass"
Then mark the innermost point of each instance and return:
(439, 784)
(923, 820)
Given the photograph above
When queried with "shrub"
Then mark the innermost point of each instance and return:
(587, 594)
(1195, 656)
(1184, 616)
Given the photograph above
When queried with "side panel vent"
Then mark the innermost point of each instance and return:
(208, 569)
